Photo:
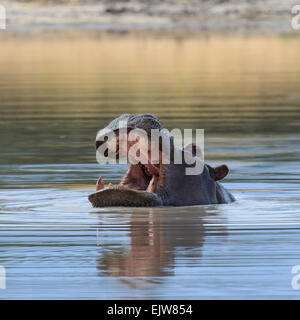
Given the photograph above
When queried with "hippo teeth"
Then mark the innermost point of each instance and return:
(152, 178)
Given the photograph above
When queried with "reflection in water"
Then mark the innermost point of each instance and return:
(157, 238)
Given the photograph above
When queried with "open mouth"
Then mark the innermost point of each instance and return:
(151, 176)
(141, 177)
(137, 189)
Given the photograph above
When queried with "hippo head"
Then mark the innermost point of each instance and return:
(118, 143)
(118, 132)
(154, 183)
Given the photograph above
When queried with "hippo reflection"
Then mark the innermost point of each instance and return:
(160, 240)
(159, 184)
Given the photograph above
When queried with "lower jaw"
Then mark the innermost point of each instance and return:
(124, 197)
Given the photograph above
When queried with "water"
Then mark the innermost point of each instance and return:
(54, 96)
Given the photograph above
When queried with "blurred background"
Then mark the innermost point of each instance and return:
(67, 68)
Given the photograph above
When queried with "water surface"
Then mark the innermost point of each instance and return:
(54, 96)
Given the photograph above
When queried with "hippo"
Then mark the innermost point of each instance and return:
(159, 184)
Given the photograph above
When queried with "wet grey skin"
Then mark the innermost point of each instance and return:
(153, 185)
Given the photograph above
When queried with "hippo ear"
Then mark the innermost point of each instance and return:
(219, 173)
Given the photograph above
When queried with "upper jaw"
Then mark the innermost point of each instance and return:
(149, 171)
